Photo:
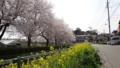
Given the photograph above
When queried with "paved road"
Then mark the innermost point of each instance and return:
(110, 55)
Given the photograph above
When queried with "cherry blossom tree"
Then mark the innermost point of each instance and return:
(34, 19)
(47, 29)
(62, 33)
(9, 11)
(37, 19)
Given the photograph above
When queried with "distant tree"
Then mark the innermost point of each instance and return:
(88, 32)
(77, 31)
(57, 31)
(95, 32)
(62, 33)
(47, 30)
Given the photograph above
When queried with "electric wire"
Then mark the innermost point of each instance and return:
(111, 14)
(100, 18)
(115, 10)
(97, 12)
(111, 1)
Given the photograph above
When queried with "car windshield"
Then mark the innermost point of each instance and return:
(115, 38)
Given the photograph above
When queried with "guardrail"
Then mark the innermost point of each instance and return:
(6, 62)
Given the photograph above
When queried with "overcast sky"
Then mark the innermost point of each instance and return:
(87, 13)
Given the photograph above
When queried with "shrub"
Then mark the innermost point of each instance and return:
(101, 43)
(2, 45)
(11, 52)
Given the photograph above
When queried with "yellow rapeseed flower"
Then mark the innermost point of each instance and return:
(60, 61)
(51, 48)
(31, 53)
(48, 57)
(37, 53)
(56, 60)
(1, 60)
(40, 58)
(43, 51)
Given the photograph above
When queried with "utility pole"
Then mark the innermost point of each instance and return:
(109, 21)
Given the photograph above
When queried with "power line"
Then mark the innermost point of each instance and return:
(112, 1)
(103, 24)
(116, 15)
(115, 9)
(115, 24)
(97, 12)
(111, 14)
(118, 0)
(104, 15)
(100, 17)
(116, 18)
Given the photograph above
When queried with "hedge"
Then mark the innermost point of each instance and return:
(4, 51)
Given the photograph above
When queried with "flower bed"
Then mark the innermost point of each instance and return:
(78, 56)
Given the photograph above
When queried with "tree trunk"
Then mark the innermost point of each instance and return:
(5, 26)
(47, 42)
(55, 42)
(1, 27)
(29, 41)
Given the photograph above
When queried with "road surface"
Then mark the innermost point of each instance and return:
(110, 55)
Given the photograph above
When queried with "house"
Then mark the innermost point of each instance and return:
(86, 38)
(114, 33)
(102, 38)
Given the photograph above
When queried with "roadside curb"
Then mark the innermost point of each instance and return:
(104, 60)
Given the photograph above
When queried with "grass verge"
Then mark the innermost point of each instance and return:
(79, 56)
